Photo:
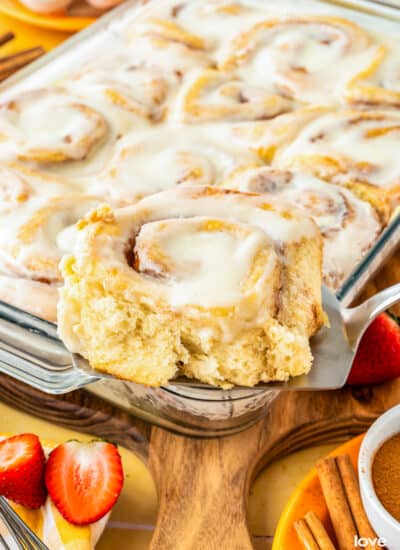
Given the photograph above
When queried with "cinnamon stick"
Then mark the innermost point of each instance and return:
(353, 495)
(336, 501)
(11, 63)
(319, 532)
(7, 37)
(305, 535)
(312, 533)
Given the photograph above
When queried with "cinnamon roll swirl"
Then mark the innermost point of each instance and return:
(218, 285)
(48, 126)
(156, 160)
(378, 83)
(356, 149)
(165, 46)
(127, 85)
(218, 19)
(340, 215)
(19, 183)
(37, 232)
(212, 95)
(297, 54)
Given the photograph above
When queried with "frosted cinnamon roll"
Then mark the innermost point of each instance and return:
(357, 149)
(297, 56)
(378, 83)
(14, 187)
(37, 298)
(218, 19)
(218, 285)
(153, 161)
(128, 85)
(165, 46)
(212, 95)
(19, 183)
(49, 126)
(340, 215)
(35, 234)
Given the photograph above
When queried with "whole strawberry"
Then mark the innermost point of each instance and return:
(378, 356)
(22, 468)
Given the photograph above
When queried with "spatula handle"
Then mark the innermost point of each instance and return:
(357, 319)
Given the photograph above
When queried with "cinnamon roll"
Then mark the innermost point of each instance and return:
(340, 215)
(48, 126)
(212, 95)
(379, 82)
(19, 183)
(153, 161)
(218, 285)
(128, 85)
(35, 234)
(356, 149)
(37, 298)
(296, 54)
(218, 19)
(163, 45)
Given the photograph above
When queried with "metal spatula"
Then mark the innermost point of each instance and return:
(31, 351)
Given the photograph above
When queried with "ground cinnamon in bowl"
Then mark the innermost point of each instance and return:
(386, 475)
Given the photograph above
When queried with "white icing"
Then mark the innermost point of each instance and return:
(202, 252)
(352, 136)
(35, 235)
(50, 121)
(38, 298)
(207, 268)
(163, 158)
(136, 145)
(348, 225)
(143, 91)
(383, 74)
(296, 57)
(225, 97)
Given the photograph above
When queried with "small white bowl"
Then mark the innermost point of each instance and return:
(385, 526)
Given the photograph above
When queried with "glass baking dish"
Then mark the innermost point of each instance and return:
(188, 409)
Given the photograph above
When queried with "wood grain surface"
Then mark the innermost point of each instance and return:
(203, 485)
(80, 411)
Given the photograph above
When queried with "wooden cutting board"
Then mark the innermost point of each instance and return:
(203, 484)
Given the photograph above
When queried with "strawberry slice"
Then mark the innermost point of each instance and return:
(84, 480)
(22, 468)
(378, 356)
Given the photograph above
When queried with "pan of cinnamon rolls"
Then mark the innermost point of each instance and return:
(181, 196)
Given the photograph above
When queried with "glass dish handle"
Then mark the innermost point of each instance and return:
(31, 352)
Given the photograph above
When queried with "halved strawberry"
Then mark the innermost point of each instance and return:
(84, 480)
(378, 356)
(22, 467)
